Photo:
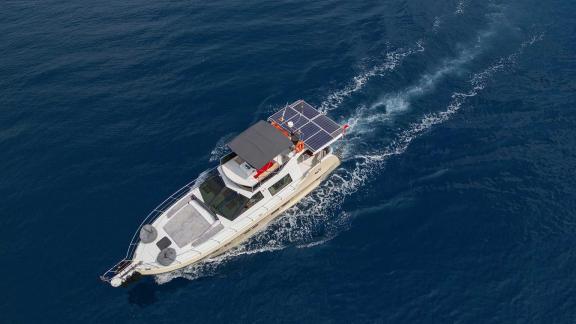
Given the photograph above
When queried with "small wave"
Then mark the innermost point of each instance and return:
(460, 6)
(209, 267)
(221, 148)
(436, 24)
(433, 176)
(400, 102)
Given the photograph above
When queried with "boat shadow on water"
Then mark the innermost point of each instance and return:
(144, 292)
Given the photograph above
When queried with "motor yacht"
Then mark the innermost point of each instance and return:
(271, 166)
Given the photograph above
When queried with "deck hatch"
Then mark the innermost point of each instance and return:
(163, 243)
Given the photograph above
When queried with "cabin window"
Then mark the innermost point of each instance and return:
(286, 180)
(210, 188)
(320, 155)
(221, 199)
(252, 201)
(231, 206)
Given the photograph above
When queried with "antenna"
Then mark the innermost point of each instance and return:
(301, 113)
(283, 113)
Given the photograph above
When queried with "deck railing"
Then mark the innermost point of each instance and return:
(152, 216)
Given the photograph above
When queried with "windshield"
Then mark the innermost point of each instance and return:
(222, 200)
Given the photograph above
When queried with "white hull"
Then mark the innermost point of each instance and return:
(317, 174)
(272, 166)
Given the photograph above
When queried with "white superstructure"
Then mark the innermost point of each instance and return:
(273, 165)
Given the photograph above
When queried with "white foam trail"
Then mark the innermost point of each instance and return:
(208, 267)
(400, 101)
(392, 61)
(221, 148)
(478, 82)
(318, 217)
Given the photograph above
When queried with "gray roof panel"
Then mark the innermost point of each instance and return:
(259, 144)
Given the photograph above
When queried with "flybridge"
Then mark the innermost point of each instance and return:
(265, 147)
(312, 127)
(259, 144)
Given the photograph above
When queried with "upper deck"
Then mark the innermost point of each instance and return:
(257, 152)
(264, 147)
(311, 126)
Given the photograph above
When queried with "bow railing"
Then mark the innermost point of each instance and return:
(150, 218)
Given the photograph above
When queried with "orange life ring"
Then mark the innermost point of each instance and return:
(299, 147)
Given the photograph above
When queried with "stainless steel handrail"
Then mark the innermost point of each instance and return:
(150, 218)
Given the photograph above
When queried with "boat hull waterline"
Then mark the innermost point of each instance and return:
(323, 170)
(272, 166)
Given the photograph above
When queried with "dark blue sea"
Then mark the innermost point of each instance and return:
(455, 201)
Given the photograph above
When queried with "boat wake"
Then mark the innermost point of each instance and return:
(392, 61)
(460, 6)
(319, 217)
(399, 102)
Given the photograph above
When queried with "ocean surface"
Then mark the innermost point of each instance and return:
(455, 201)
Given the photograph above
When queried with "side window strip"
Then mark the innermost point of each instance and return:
(275, 188)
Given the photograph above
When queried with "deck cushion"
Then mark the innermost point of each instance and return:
(186, 225)
(148, 233)
(166, 256)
